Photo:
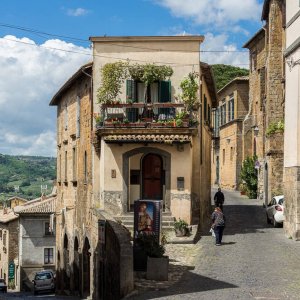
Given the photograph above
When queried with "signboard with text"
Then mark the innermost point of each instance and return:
(11, 271)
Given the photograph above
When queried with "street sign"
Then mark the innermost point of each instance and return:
(11, 271)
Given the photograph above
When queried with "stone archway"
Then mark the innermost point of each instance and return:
(86, 269)
(66, 264)
(76, 267)
(166, 162)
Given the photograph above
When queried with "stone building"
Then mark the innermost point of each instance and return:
(227, 153)
(9, 247)
(84, 234)
(148, 156)
(36, 238)
(266, 100)
(292, 117)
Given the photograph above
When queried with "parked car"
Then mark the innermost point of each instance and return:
(3, 286)
(43, 281)
(274, 211)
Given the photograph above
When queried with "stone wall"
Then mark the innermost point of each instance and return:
(292, 202)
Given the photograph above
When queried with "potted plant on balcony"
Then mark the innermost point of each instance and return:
(181, 228)
(189, 87)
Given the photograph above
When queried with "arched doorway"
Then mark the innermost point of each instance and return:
(152, 177)
(86, 255)
(266, 187)
(66, 264)
(58, 272)
(76, 265)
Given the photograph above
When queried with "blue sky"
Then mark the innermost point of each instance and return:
(31, 70)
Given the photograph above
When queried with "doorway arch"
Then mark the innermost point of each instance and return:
(166, 162)
(76, 266)
(86, 257)
(66, 264)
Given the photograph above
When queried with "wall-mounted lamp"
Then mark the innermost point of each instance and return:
(256, 130)
(291, 63)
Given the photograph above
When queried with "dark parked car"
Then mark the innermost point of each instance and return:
(3, 286)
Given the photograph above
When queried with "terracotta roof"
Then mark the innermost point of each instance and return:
(38, 206)
(259, 33)
(148, 138)
(16, 197)
(7, 215)
(69, 82)
(237, 79)
(207, 72)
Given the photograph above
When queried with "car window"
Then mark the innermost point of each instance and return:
(42, 276)
(280, 202)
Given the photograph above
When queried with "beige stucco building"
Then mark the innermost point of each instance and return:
(292, 132)
(266, 100)
(227, 154)
(149, 159)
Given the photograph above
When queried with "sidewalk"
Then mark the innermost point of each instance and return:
(182, 252)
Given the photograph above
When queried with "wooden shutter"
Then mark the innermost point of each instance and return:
(131, 113)
(164, 95)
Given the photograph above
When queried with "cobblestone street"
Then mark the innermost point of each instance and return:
(256, 261)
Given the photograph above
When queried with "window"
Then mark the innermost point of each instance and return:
(223, 113)
(205, 108)
(253, 61)
(0, 234)
(74, 164)
(47, 228)
(85, 167)
(48, 256)
(134, 176)
(223, 156)
(59, 168)
(66, 166)
(208, 115)
(78, 117)
(66, 117)
(4, 239)
(231, 153)
(231, 108)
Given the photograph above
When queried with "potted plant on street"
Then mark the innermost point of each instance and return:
(181, 228)
(157, 263)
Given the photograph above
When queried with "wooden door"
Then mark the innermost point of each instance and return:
(152, 171)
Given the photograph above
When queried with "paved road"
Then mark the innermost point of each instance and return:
(30, 296)
(256, 261)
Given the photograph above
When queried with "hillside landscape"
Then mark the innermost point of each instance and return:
(23, 176)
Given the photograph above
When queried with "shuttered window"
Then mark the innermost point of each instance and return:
(132, 113)
(164, 95)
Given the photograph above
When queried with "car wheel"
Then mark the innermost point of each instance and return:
(268, 220)
(35, 293)
(275, 224)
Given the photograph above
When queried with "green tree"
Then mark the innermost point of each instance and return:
(223, 74)
(249, 176)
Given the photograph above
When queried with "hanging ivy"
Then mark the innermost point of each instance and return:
(112, 79)
(150, 73)
(189, 87)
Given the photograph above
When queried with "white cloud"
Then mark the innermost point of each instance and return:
(29, 76)
(216, 13)
(77, 12)
(219, 51)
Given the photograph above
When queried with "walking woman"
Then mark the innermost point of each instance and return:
(218, 224)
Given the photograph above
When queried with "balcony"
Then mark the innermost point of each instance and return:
(146, 123)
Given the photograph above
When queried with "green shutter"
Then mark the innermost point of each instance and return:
(164, 95)
(132, 113)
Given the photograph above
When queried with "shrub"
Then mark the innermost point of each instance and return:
(249, 176)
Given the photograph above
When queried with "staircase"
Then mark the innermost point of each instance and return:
(127, 221)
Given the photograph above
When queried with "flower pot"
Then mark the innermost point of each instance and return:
(181, 232)
(157, 268)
